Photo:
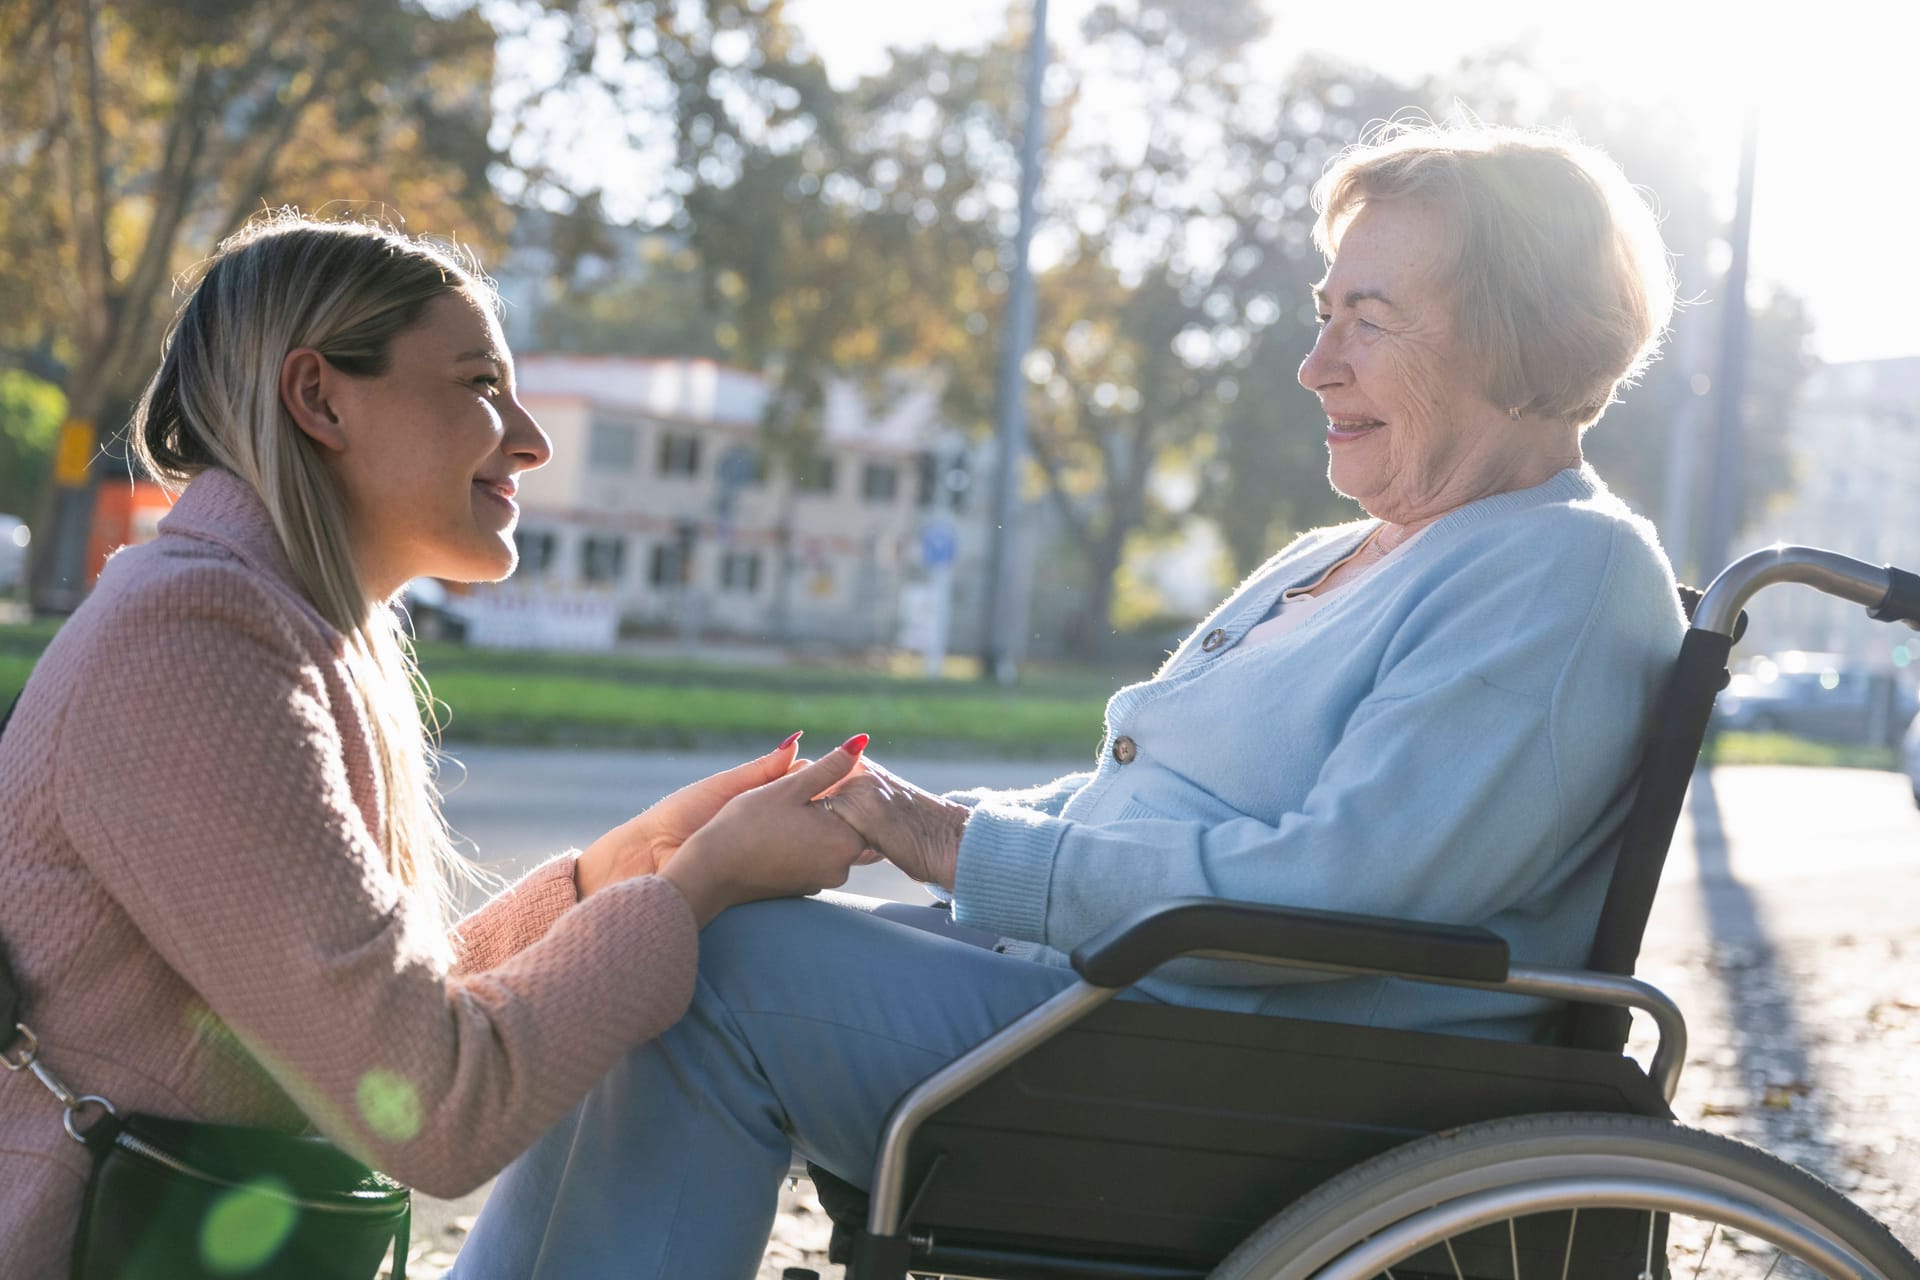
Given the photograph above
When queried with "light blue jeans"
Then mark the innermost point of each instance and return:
(808, 1022)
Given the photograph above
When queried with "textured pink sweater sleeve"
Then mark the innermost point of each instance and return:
(517, 917)
(203, 776)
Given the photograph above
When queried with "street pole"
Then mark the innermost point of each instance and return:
(57, 571)
(1007, 613)
(1684, 440)
(1730, 382)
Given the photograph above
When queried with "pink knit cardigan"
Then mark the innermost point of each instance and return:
(194, 899)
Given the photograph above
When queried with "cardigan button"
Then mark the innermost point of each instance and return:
(1124, 750)
(1215, 638)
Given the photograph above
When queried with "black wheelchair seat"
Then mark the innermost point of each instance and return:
(1156, 1138)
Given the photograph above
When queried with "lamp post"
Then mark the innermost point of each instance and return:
(1730, 380)
(1007, 613)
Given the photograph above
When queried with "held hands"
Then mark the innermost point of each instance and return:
(916, 830)
(764, 829)
(771, 841)
(642, 845)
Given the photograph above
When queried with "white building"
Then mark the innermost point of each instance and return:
(662, 498)
(1856, 449)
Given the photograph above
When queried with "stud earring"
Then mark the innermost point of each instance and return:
(1516, 413)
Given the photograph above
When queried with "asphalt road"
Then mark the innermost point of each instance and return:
(519, 807)
(1776, 854)
(1763, 852)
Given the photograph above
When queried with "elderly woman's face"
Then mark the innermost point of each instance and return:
(1409, 431)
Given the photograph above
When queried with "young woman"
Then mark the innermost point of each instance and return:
(222, 861)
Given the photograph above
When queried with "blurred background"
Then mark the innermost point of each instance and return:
(821, 399)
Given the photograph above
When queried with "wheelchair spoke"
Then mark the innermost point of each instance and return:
(1513, 1247)
(1451, 1257)
(1566, 1263)
(1705, 1250)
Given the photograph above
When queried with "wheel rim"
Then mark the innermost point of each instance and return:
(1522, 1171)
(1443, 1223)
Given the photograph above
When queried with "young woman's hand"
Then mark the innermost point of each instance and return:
(914, 829)
(642, 845)
(771, 842)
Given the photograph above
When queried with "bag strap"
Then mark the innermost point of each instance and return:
(9, 990)
(20, 1048)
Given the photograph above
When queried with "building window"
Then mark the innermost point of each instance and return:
(944, 482)
(741, 467)
(740, 571)
(880, 482)
(814, 474)
(611, 446)
(536, 548)
(664, 568)
(679, 454)
(601, 559)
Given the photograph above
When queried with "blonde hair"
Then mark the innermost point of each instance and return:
(345, 289)
(1562, 286)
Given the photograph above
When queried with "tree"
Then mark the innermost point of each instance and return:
(1172, 328)
(141, 133)
(31, 411)
(828, 235)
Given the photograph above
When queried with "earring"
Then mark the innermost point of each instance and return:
(1516, 413)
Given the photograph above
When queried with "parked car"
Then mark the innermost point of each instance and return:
(1815, 695)
(435, 611)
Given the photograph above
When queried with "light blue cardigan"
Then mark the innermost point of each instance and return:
(1450, 739)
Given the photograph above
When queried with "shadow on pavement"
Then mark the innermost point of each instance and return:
(1774, 1051)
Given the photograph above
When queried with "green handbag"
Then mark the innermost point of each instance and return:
(178, 1200)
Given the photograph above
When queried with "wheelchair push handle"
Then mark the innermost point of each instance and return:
(1890, 594)
(1902, 601)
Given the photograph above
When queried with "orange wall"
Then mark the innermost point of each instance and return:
(123, 514)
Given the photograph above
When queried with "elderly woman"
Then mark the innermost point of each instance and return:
(1431, 713)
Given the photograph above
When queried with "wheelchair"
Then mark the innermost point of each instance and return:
(1123, 1141)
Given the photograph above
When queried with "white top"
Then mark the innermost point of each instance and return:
(1295, 605)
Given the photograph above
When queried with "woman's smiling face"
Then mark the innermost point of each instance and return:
(428, 452)
(1410, 433)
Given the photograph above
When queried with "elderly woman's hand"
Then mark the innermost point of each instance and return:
(770, 842)
(916, 830)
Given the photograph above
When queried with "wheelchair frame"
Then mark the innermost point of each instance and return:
(886, 1247)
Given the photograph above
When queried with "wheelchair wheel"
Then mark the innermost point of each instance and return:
(1572, 1197)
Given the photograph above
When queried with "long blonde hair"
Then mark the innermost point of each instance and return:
(345, 289)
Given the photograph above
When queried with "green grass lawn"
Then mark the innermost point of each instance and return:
(622, 700)
(1785, 748)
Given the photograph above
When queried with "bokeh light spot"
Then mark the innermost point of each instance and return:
(246, 1227)
(389, 1105)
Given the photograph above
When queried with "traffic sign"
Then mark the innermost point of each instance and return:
(938, 543)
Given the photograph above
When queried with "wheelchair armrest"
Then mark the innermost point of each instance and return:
(1133, 947)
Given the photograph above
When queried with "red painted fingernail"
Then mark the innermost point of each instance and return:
(790, 739)
(855, 745)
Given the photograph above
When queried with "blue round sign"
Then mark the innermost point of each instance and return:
(938, 544)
